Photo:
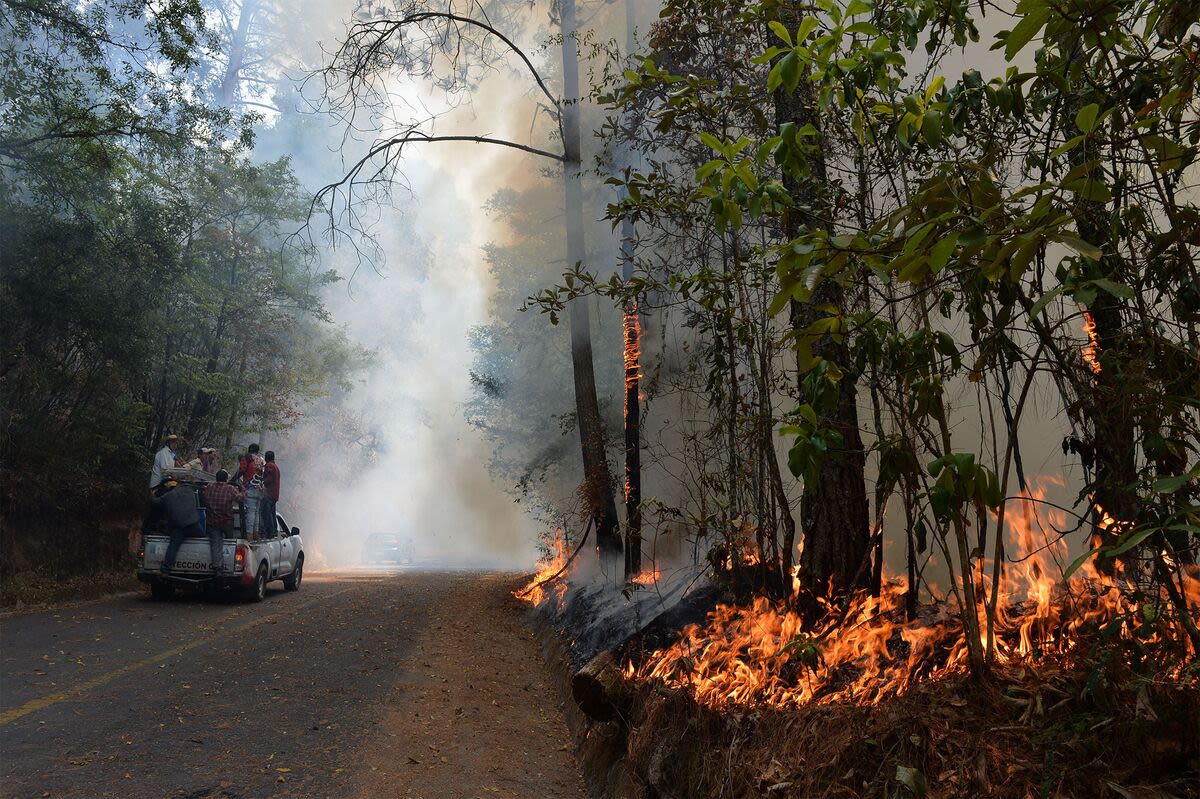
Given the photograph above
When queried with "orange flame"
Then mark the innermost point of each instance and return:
(633, 367)
(1091, 350)
(534, 592)
(762, 654)
(647, 577)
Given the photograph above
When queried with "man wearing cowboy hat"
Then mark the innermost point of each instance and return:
(178, 506)
(163, 459)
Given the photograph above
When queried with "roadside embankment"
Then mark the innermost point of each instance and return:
(1072, 726)
(43, 588)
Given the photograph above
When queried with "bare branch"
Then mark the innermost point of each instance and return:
(378, 32)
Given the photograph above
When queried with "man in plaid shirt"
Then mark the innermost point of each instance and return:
(219, 499)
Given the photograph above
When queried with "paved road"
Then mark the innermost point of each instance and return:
(309, 694)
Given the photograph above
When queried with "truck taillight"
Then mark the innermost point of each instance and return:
(239, 559)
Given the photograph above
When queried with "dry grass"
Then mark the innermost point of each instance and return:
(41, 588)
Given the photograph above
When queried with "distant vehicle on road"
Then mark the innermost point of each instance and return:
(388, 548)
(248, 564)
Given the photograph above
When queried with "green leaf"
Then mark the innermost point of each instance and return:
(857, 7)
(1091, 189)
(1022, 257)
(1169, 485)
(807, 26)
(780, 30)
(1079, 561)
(808, 414)
(1045, 300)
(1116, 289)
(704, 172)
(914, 270)
(1080, 246)
(713, 142)
(934, 87)
(1067, 146)
(780, 302)
(1130, 540)
(1024, 31)
(940, 254)
(1085, 119)
(789, 72)
(931, 127)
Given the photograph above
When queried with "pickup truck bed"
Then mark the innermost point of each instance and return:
(248, 564)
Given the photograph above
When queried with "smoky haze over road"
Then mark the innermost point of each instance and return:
(360, 684)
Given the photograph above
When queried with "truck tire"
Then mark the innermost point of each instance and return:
(292, 581)
(161, 591)
(257, 591)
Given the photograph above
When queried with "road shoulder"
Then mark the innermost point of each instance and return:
(475, 714)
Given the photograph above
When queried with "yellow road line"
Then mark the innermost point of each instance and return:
(42, 702)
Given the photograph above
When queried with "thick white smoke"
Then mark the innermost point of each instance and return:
(427, 478)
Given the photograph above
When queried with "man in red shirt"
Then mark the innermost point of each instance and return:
(219, 499)
(271, 477)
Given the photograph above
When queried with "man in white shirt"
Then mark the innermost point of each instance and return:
(163, 459)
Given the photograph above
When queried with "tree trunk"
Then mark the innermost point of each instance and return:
(598, 482)
(833, 512)
(237, 54)
(600, 690)
(1107, 403)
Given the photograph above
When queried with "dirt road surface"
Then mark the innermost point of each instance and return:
(420, 685)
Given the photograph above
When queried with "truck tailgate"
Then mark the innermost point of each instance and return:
(192, 557)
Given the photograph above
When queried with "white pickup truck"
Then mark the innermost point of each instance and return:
(248, 563)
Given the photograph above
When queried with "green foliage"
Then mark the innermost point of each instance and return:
(972, 224)
(147, 281)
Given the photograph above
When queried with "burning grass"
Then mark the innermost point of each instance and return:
(543, 584)
(766, 653)
(1091, 686)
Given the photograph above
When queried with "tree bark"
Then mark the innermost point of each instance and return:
(599, 689)
(598, 482)
(833, 512)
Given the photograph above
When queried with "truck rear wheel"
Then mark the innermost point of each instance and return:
(161, 591)
(292, 581)
(258, 591)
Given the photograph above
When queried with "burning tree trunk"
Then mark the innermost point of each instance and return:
(633, 455)
(833, 512)
(633, 378)
(598, 482)
(1113, 442)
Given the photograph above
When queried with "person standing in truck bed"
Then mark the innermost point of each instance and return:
(219, 499)
(271, 479)
(178, 506)
(165, 458)
(249, 477)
